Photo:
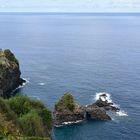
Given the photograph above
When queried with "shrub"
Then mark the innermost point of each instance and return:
(29, 116)
(8, 130)
(31, 125)
(46, 116)
(66, 102)
(20, 105)
(37, 104)
(5, 109)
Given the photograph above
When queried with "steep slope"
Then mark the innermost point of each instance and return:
(9, 73)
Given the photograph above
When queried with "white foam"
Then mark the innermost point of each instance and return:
(20, 86)
(108, 97)
(26, 79)
(23, 84)
(68, 123)
(41, 84)
(121, 113)
(109, 100)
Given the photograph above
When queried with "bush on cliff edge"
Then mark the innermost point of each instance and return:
(29, 116)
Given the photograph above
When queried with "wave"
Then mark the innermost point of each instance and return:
(21, 86)
(108, 97)
(41, 84)
(121, 113)
(69, 123)
(109, 100)
(27, 81)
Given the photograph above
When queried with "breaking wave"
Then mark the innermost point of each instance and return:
(27, 81)
(109, 100)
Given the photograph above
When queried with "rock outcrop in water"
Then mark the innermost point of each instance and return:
(96, 112)
(9, 73)
(68, 111)
(103, 103)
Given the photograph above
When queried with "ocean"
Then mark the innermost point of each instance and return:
(86, 54)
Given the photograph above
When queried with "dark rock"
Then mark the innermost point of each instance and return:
(102, 103)
(114, 109)
(60, 118)
(105, 104)
(64, 113)
(95, 112)
(9, 73)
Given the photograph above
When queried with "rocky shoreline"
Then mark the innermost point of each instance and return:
(64, 115)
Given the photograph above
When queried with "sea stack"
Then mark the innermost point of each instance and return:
(9, 73)
(68, 111)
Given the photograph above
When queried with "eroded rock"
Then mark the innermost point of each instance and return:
(96, 112)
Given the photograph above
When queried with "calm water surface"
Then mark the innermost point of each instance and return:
(84, 54)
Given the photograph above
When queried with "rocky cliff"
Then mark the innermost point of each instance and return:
(9, 73)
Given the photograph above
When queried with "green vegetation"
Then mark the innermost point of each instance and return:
(7, 61)
(8, 131)
(66, 102)
(22, 118)
(10, 56)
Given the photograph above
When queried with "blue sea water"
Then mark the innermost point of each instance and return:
(84, 54)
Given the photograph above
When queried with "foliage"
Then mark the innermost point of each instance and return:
(10, 56)
(7, 62)
(31, 125)
(8, 129)
(20, 105)
(5, 109)
(29, 116)
(45, 114)
(66, 102)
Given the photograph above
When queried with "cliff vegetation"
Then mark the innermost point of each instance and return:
(22, 118)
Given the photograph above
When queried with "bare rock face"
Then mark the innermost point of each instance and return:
(96, 112)
(67, 111)
(9, 73)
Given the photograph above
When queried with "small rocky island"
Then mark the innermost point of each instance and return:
(9, 73)
(68, 111)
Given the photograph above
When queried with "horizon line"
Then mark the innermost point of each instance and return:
(29, 12)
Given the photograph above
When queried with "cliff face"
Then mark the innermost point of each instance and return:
(9, 73)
